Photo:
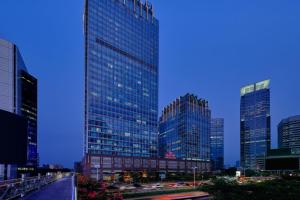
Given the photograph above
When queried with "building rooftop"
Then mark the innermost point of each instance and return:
(283, 152)
(255, 87)
(291, 118)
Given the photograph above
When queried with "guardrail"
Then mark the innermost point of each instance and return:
(13, 189)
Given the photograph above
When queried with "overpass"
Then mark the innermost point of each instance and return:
(55, 186)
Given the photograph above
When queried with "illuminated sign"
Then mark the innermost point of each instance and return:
(247, 89)
(255, 87)
(262, 85)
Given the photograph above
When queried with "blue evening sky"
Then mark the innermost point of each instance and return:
(208, 47)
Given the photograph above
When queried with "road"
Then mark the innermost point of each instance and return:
(60, 190)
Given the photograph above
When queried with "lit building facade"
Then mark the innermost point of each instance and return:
(184, 129)
(255, 129)
(121, 78)
(28, 101)
(289, 132)
(18, 94)
(217, 144)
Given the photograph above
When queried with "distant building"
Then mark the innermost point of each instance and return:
(18, 94)
(289, 132)
(255, 125)
(284, 159)
(217, 144)
(184, 129)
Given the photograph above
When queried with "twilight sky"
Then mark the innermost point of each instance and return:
(210, 48)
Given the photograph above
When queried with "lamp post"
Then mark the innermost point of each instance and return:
(97, 171)
(194, 170)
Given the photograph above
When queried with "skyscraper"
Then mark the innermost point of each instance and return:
(184, 129)
(289, 132)
(255, 126)
(217, 143)
(121, 78)
(18, 93)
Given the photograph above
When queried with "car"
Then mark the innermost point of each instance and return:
(157, 185)
(177, 186)
(147, 188)
(127, 187)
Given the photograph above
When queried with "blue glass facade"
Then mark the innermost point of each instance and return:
(255, 125)
(217, 144)
(28, 109)
(289, 132)
(121, 78)
(184, 129)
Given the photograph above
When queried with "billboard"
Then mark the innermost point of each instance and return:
(13, 138)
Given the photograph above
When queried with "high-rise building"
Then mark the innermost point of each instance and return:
(184, 129)
(289, 132)
(18, 93)
(121, 78)
(255, 123)
(217, 144)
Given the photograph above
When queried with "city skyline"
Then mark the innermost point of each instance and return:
(208, 87)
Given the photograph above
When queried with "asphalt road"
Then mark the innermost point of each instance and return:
(60, 190)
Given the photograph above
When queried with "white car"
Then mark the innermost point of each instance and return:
(127, 188)
(158, 185)
(147, 188)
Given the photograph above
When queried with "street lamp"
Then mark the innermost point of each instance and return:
(194, 170)
(97, 171)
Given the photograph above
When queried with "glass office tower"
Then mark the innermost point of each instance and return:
(217, 144)
(289, 132)
(121, 78)
(18, 94)
(255, 122)
(28, 109)
(184, 129)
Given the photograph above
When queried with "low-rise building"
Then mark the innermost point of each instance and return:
(106, 167)
(284, 159)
